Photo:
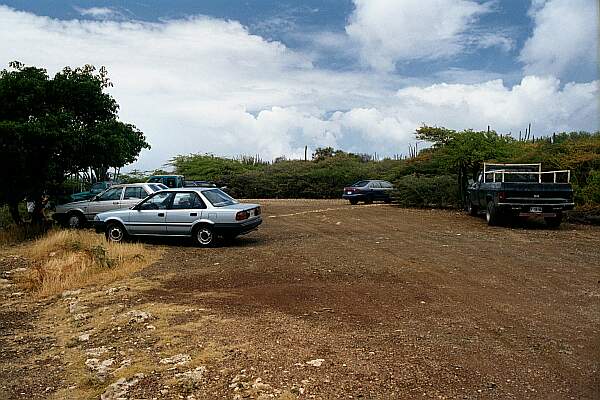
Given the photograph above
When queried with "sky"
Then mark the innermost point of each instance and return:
(269, 77)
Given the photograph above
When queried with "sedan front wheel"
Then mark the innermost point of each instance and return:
(115, 233)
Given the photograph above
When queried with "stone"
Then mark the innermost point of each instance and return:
(96, 351)
(137, 316)
(178, 359)
(118, 390)
(193, 376)
(101, 368)
(71, 293)
(84, 337)
(316, 362)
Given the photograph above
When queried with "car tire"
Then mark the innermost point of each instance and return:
(554, 222)
(387, 200)
(472, 209)
(492, 215)
(204, 236)
(75, 220)
(353, 202)
(369, 200)
(115, 232)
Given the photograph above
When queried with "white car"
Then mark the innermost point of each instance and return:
(196, 212)
(76, 214)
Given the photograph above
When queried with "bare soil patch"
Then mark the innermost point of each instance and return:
(328, 300)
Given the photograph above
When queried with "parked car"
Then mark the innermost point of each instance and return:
(368, 191)
(172, 181)
(96, 188)
(198, 184)
(505, 191)
(77, 214)
(199, 213)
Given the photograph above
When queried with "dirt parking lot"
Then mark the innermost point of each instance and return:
(328, 300)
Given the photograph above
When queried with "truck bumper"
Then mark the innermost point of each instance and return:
(535, 210)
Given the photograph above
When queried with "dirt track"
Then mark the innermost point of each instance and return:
(397, 303)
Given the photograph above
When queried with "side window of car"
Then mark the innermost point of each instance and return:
(186, 201)
(111, 194)
(375, 185)
(159, 201)
(171, 182)
(135, 192)
(197, 202)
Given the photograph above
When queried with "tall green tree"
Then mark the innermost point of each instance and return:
(52, 127)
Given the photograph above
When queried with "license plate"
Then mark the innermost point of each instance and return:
(535, 209)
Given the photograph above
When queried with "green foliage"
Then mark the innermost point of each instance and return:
(433, 178)
(427, 191)
(53, 127)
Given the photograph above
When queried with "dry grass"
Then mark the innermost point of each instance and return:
(15, 234)
(70, 259)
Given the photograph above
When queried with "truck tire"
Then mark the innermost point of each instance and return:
(554, 222)
(492, 215)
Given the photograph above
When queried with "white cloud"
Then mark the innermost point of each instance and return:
(564, 39)
(207, 85)
(398, 30)
(99, 12)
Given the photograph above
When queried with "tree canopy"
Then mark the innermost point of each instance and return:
(53, 127)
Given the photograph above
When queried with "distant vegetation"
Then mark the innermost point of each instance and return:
(435, 177)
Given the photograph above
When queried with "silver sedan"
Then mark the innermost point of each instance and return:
(199, 213)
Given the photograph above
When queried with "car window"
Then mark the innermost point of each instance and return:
(154, 180)
(160, 201)
(170, 182)
(156, 187)
(219, 198)
(360, 184)
(375, 185)
(187, 200)
(135, 192)
(98, 186)
(111, 194)
(386, 184)
(162, 186)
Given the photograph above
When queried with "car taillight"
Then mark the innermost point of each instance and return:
(257, 211)
(502, 196)
(242, 215)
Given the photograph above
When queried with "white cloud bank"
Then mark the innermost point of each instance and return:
(565, 37)
(207, 85)
(390, 31)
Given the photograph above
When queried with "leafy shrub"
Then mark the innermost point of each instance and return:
(427, 191)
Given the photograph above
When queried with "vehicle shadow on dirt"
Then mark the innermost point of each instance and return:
(187, 242)
(525, 224)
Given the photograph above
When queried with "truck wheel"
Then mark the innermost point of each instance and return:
(353, 202)
(554, 222)
(491, 215)
(472, 209)
(75, 220)
(115, 232)
(204, 236)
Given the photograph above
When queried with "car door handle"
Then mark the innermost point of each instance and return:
(161, 214)
(193, 214)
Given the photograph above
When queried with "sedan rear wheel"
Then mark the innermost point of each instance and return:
(205, 236)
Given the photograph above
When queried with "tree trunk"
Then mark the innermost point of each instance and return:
(13, 209)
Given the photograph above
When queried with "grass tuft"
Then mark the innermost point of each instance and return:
(70, 259)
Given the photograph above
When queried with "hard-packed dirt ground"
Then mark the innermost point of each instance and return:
(325, 300)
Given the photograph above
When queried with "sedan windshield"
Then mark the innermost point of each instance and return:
(218, 198)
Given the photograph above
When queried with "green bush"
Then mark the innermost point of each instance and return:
(427, 191)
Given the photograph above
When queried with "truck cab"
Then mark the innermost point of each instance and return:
(172, 181)
(505, 191)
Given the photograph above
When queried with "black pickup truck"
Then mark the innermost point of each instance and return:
(507, 191)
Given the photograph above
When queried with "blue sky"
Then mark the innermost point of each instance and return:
(233, 77)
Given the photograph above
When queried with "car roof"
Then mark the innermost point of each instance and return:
(189, 189)
(130, 184)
